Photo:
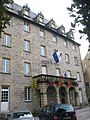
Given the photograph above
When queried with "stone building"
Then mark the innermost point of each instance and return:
(30, 77)
(86, 69)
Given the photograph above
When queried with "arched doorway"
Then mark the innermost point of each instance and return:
(63, 94)
(51, 95)
(72, 96)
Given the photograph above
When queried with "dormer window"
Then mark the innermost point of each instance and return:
(41, 19)
(70, 35)
(26, 11)
(51, 24)
(61, 30)
(9, 5)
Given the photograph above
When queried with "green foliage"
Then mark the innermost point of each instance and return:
(80, 11)
(4, 17)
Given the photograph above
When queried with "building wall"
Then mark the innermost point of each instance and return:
(16, 80)
(86, 69)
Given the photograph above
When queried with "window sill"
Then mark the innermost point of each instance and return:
(27, 75)
(6, 73)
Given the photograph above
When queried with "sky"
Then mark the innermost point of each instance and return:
(56, 9)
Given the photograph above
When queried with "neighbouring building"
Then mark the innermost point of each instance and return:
(86, 69)
(30, 78)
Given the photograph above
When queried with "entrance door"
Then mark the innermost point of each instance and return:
(4, 98)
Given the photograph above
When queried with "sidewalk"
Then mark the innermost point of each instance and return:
(36, 118)
(80, 107)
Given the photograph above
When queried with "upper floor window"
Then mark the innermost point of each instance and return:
(26, 27)
(68, 73)
(27, 93)
(74, 47)
(5, 65)
(27, 45)
(44, 70)
(26, 12)
(7, 40)
(9, 5)
(57, 72)
(65, 43)
(42, 33)
(54, 38)
(43, 51)
(41, 19)
(53, 25)
(78, 76)
(67, 58)
(76, 60)
(27, 69)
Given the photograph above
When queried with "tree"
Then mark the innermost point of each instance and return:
(80, 11)
(4, 17)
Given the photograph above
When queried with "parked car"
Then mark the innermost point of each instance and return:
(20, 115)
(58, 112)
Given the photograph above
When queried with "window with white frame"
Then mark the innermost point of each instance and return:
(76, 60)
(7, 40)
(54, 38)
(5, 65)
(41, 19)
(65, 43)
(68, 73)
(78, 76)
(53, 25)
(26, 26)
(42, 33)
(44, 70)
(27, 93)
(27, 69)
(43, 51)
(67, 58)
(27, 45)
(26, 12)
(74, 47)
(57, 72)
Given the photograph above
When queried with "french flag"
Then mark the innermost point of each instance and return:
(57, 56)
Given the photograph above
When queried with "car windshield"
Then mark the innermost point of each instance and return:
(21, 115)
(67, 108)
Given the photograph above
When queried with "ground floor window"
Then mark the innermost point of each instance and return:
(27, 93)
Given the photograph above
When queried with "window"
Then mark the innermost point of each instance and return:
(27, 45)
(4, 94)
(78, 76)
(7, 40)
(74, 47)
(54, 38)
(57, 72)
(26, 12)
(65, 43)
(26, 26)
(44, 70)
(76, 60)
(68, 73)
(41, 19)
(67, 58)
(9, 5)
(27, 93)
(53, 25)
(43, 51)
(42, 33)
(6, 65)
(27, 69)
